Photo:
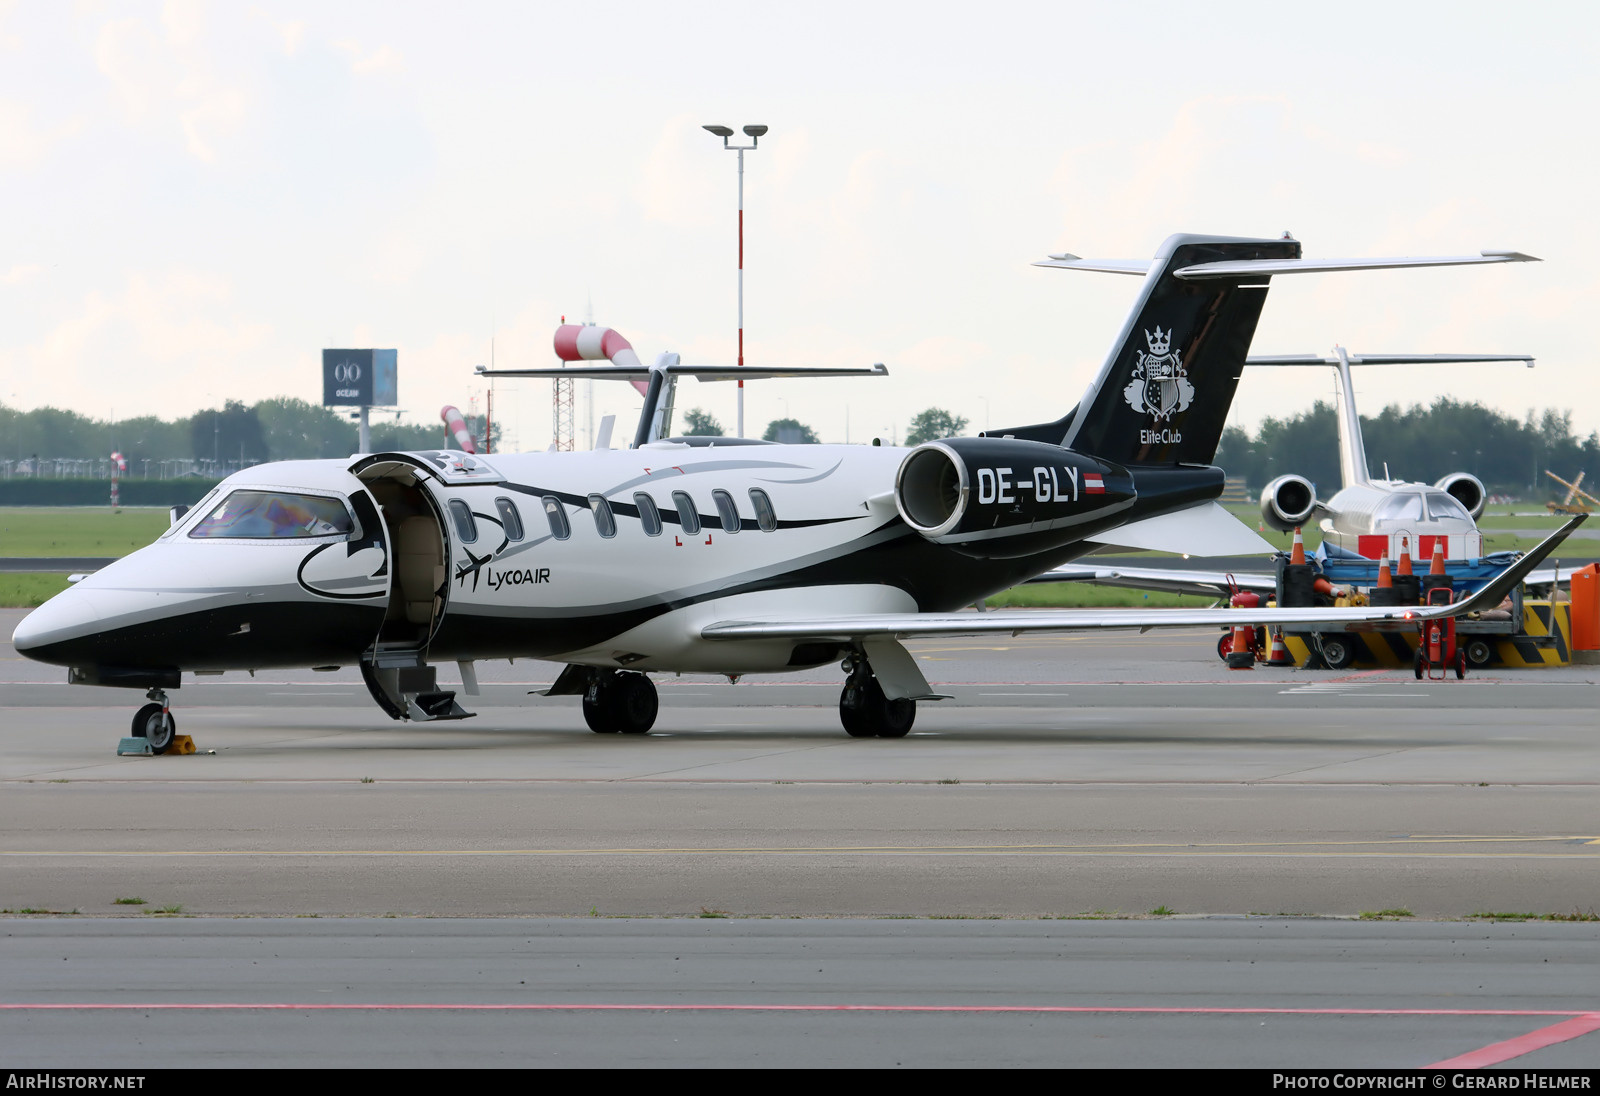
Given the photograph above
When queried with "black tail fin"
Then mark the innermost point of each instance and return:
(1163, 395)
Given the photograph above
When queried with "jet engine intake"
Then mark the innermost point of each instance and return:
(1288, 502)
(1000, 498)
(1466, 489)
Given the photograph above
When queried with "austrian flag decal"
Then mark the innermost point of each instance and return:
(1093, 484)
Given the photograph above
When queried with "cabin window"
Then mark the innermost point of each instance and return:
(764, 515)
(466, 524)
(688, 516)
(275, 515)
(726, 510)
(510, 520)
(557, 515)
(649, 516)
(605, 522)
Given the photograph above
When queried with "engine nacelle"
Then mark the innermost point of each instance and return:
(1000, 498)
(1288, 502)
(1466, 489)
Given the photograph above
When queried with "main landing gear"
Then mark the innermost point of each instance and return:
(865, 711)
(154, 722)
(620, 701)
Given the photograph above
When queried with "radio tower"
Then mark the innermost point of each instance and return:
(563, 424)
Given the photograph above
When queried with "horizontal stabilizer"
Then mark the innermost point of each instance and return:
(1244, 268)
(1206, 530)
(698, 372)
(1388, 359)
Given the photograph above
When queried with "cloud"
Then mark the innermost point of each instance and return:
(381, 60)
(165, 332)
(22, 273)
(170, 77)
(23, 144)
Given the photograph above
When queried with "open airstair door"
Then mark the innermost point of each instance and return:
(395, 667)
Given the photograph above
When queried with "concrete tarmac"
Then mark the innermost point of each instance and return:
(1267, 993)
(1069, 775)
(1076, 777)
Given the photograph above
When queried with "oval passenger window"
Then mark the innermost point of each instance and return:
(688, 516)
(764, 513)
(466, 526)
(649, 516)
(557, 516)
(605, 523)
(510, 520)
(726, 510)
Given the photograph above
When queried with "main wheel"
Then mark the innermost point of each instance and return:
(1461, 664)
(635, 703)
(156, 726)
(1225, 645)
(598, 707)
(1417, 664)
(1479, 653)
(874, 713)
(1338, 652)
(855, 723)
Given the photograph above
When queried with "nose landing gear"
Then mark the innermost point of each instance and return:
(864, 709)
(154, 722)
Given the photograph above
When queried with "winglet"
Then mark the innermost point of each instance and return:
(1490, 595)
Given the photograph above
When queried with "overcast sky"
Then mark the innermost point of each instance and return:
(198, 197)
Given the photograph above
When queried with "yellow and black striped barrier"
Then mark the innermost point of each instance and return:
(1527, 650)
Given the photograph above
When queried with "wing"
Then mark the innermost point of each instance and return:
(857, 629)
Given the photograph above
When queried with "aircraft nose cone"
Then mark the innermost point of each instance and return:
(68, 615)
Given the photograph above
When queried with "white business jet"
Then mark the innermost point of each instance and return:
(694, 554)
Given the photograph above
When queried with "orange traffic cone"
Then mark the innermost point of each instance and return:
(1241, 657)
(1405, 556)
(1437, 566)
(1385, 579)
(1280, 652)
(1297, 553)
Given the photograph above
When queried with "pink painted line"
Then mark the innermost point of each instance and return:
(1592, 1018)
(1495, 1053)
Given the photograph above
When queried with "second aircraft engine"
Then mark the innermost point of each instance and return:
(1287, 502)
(1466, 489)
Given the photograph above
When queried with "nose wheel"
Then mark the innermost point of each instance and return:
(154, 722)
(866, 712)
(620, 702)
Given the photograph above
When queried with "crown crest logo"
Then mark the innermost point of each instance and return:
(1159, 384)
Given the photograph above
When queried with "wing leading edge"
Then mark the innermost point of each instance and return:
(913, 625)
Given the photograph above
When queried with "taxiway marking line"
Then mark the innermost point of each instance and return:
(1308, 849)
(1495, 1053)
(1158, 1010)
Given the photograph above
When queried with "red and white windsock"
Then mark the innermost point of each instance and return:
(457, 426)
(119, 463)
(580, 343)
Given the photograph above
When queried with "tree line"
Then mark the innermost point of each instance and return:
(275, 429)
(1417, 443)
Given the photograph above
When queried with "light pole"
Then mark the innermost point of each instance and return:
(755, 133)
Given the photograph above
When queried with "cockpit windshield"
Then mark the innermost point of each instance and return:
(1442, 504)
(275, 515)
(1401, 506)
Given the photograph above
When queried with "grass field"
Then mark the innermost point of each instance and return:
(25, 591)
(1083, 595)
(77, 530)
